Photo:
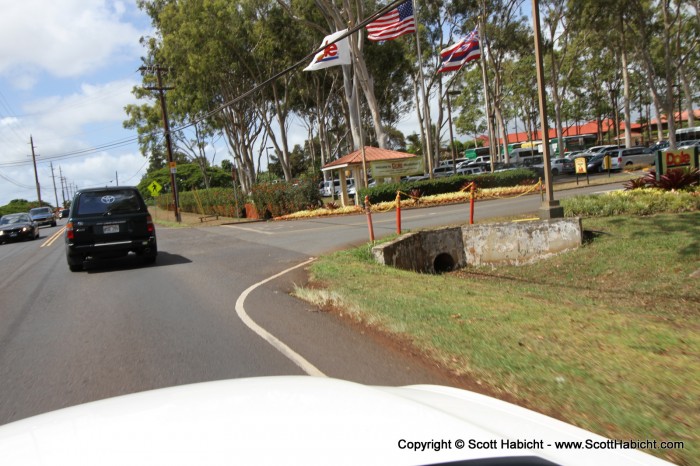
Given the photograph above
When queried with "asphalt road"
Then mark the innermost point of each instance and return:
(122, 327)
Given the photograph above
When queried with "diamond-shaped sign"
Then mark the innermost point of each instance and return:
(155, 188)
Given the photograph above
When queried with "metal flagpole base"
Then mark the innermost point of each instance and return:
(551, 209)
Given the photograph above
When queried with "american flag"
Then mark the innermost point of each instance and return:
(395, 23)
(460, 53)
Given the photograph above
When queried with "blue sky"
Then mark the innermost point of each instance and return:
(67, 68)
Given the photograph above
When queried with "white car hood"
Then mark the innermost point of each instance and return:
(295, 420)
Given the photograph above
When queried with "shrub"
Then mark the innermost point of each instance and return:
(636, 202)
(277, 199)
(675, 179)
(214, 201)
(636, 183)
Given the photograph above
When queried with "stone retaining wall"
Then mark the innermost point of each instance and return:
(516, 243)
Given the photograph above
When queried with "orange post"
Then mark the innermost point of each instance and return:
(369, 219)
(398, 213)
(471, 204)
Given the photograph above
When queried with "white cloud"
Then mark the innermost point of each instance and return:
(67, 124)
(64, 38)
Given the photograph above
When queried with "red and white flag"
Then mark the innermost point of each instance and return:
(457, 55)
(395, 23)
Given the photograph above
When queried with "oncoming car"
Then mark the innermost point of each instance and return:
(106, 223)
(15, 227)
(43, 216)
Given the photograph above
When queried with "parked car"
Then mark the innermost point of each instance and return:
(688, 144)
(470, 170)
(631, 156)
(480, 161)
(15, 227)
(562, 166)
(349, 187)
(329, 187)
(595, 164)
(443, 171)
(43, 216)
(661, 145)
(415, 178)
(595, 150)
(106, 223)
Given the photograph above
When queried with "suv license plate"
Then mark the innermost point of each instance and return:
(106, 229)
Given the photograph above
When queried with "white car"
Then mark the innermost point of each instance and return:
(474, 170)
(631, 156)
(304, 420)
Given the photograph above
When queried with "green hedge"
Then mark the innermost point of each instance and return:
(276, 199)
(214, 201)
(386, 192)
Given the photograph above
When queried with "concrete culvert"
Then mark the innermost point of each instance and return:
(443, 263)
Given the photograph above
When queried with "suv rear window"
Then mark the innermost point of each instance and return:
(107, 202)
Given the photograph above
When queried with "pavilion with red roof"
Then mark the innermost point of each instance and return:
(356, 166)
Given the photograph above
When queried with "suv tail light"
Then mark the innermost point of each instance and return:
(149, 224)
(69, 230)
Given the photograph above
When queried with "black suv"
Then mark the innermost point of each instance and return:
(107, 223)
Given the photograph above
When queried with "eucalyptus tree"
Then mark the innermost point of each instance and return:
(440, 24)
(506, 37)
(206, 44)
(280, 44)
(658, 25)
(471, 118)
(562, 49)
(688, 43)
(356, 76)
(521, 79)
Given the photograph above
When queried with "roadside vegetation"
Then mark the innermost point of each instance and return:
(605, 337)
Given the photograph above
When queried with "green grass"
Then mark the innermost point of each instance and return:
(606, 337)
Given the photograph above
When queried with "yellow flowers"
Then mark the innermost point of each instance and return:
(447, 198)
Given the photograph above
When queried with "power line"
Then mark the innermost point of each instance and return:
(220, 108)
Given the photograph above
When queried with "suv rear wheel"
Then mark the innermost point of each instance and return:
(75, 265)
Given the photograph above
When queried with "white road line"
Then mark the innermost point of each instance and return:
(235, 227)
(292, 355)
(52, 239)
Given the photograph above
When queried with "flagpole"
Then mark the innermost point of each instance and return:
(482, 41)
(426, 106)
(357, 86)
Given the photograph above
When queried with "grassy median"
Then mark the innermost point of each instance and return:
(606, 337)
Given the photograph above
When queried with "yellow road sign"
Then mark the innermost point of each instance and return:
(155, 188)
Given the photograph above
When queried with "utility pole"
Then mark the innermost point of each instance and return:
(116, 176)
(36, 175)
(63, 189)
(550, 208)
(168, 141)
(55, 193)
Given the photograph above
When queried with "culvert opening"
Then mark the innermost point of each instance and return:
(443, 263)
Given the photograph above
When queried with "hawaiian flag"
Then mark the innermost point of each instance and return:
(395, 23)
(457, 55)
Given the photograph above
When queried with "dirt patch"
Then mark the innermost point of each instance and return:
(189, 219)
